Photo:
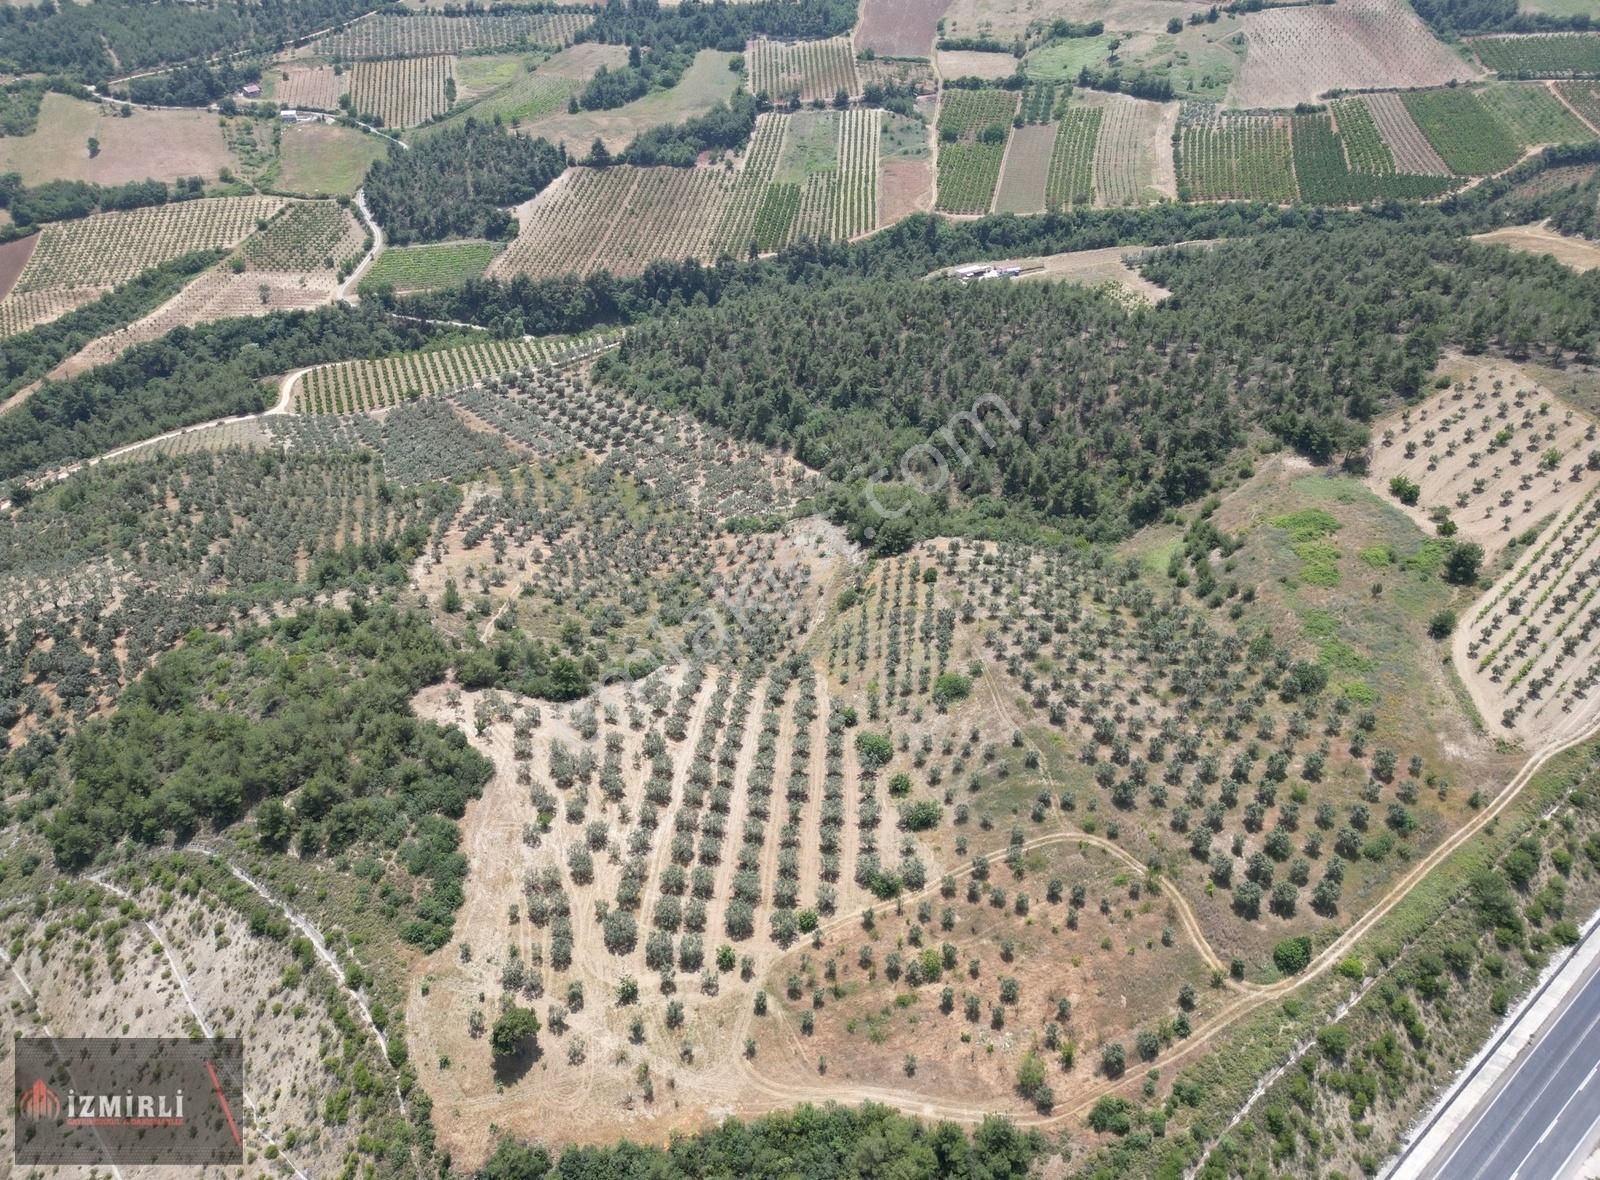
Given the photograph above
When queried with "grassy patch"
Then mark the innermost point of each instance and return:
(1307, 528)
(427, 268)
(315, 159)
(1062, 61)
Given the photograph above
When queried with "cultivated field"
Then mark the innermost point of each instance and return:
(160, 145)
(318, 160)
(393, 35)
(898, 28)
(294, 84)
(1299, 54)
(1236, 158)
(1463, 132)
(429, 268)
(350, 387)
(1408, 146)
(1324, 172)
(1541, 55)
(307, 236)
(974, 126)
(811, 174)
(110, 248)
(969, 64)
(802, 70)
(1030, 164)
(22, 311)
(1533, 114)
(1133, 152)
(1072, 158)
(1584, 98)
(897, 71)
(403, 92)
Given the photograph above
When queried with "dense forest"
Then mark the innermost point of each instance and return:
(695, 24)
(92, 42)
(725, 127)
(455, 184)
(306, 726)
(1118, 415)
(1452, 17)
(189, 375)
(866, 1141)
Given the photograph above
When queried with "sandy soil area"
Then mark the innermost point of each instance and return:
(1540, 239)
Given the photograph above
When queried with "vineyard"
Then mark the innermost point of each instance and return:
(359, 386)
(973, 128)
(1533, 115)
(1072, 159)
(802, 70)
(1325, 178)
(1236, 158)
(1411, 150)
(1363, 143)
(1125, 150)
(1584, 98)
(429, 268)
(306, 236)
(314, 86)
(110, 248)
(811, 174)
(1541, 55)
(389, 34)
(1044, 102)
(913, 72)
(1298, 54)
(1467, 137)
(402, 92)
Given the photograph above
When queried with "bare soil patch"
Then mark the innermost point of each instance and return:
(1005, 19)
(1411, 150)
(1540, 239)
(1026, 170)
(904, 187)
(163, 145)
(1299, 54)
(967, 64)
(13, 258)
(899, 28)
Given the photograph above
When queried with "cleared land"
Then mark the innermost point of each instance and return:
(159, 145)
(318, 160)
(1299, 54)
(969, 64)
(1538, 239)
(403, 92)
(1114, 266)
(1541, 55)
(1029, 165)
(1133, 159)
(428, 268)
(802, 70)
(899, 28)
(704, 84)
(905, 170)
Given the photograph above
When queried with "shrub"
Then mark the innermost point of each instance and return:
(1442, 625)
(514, 1033)
(1292, 955)
(1404, 490)
(873, 749)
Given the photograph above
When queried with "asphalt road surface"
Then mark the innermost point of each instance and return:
(1534, 1126)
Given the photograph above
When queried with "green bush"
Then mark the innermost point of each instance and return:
(1292, 955)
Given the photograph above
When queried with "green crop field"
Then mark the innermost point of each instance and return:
(1467, 137)
(973, 128)
(1236, 159)
(1541, 55)
(1533, 115)
(966, 113)
(428, 268)
(1325, 178)
(1362, 141)
(1071, 179)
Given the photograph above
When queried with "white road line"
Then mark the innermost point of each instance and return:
(1534, 1101)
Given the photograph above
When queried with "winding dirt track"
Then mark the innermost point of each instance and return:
(1247, 998)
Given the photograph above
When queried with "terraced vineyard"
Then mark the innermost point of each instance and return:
(110, 248)
(390, 34)
(1071, 180)
(973, 128)
(1541, 55)
(803, 69)
(1236, 158)
(305, 236)
(1467, 137)
(405, 92)
(358, 386)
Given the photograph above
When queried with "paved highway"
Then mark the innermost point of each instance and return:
(1536, 1122)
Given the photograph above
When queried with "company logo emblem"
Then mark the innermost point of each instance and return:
(39, 1101)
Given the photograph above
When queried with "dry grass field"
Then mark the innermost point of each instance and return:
(315, 159)
(160, 145)
(1133, 153)
(899, 28)
(1111, 267)
(1580, 255)
(1026, 169)
(1299, 54)
(707, 82)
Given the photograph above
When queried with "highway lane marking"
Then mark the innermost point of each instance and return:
(1441, 1170)
(1573, 1097)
